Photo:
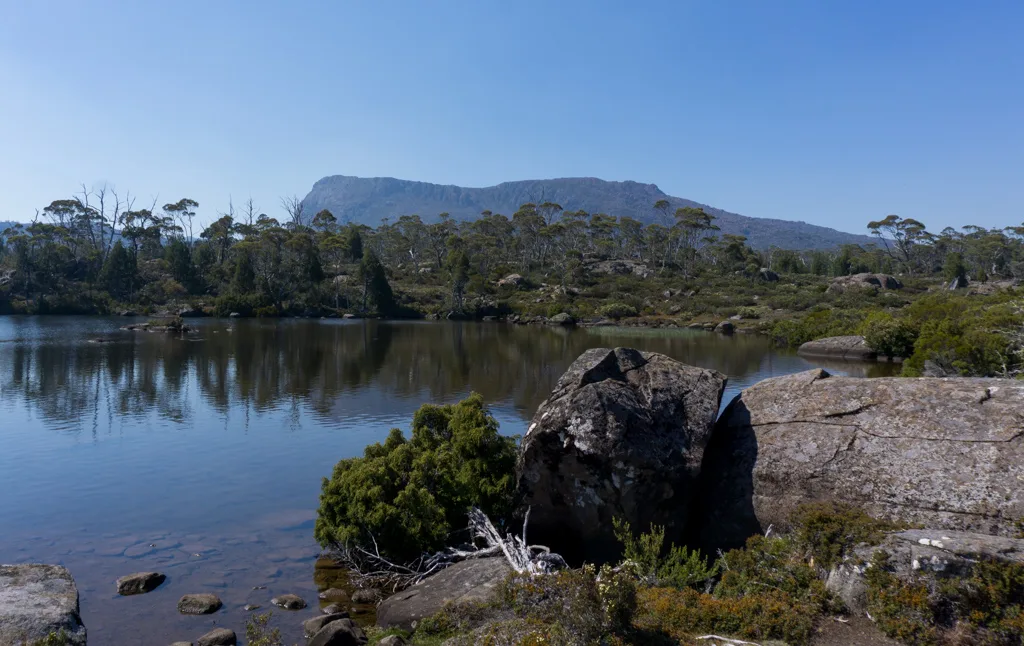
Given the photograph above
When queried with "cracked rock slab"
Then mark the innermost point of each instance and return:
(621, 436)
(943, 453)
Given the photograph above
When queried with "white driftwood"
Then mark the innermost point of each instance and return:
(369, 568)
(732, 642)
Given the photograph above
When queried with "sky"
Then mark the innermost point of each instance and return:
(834, 113)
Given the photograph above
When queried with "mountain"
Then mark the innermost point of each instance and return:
(367, 200)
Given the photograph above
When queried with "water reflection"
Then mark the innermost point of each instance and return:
(67, 371)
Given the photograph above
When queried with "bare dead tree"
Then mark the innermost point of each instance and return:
(293, 207)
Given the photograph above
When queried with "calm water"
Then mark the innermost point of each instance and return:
(202, 456)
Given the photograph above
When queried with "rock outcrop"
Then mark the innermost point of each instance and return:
(845, 348)
(474, 580)
(873, 282)
(37, 601)
(943, 453)
(921, 552)
(621, 436)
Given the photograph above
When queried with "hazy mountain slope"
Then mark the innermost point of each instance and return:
(369, 200)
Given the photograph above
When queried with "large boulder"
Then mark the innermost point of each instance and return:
(474, 580)
(37, 601)
(621, 436)
(943, 453)
(873, 282)
(845, 348)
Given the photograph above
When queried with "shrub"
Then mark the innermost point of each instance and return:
(408, 495)
(645, 558)
(772, 563)
(817, 325)
(827, 531)
(984, 607)
(766, 614)
(616, 311)
(887, 335)
(966, 335)
(586, 606)
(259, 633)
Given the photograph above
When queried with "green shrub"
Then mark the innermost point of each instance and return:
(410, 494)
(616, 311)
(772, 563)
(259, 633)
(984, 607)
(827, 531)
(765, 614)
(817, 325)
(888, 336)
(966, 335)
(588, 607)
(645, 558)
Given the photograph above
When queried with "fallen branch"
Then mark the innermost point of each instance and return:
(369, 568)
(733, 642)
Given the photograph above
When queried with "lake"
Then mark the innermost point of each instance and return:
(201, 456)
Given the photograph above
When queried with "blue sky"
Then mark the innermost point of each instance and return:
(834, 113)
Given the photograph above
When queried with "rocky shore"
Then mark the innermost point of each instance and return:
(636, 436)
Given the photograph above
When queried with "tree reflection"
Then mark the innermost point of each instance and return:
(317, 366)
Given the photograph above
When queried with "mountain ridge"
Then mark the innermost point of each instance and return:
(368, 200)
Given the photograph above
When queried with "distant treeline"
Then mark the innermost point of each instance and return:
(95, 251)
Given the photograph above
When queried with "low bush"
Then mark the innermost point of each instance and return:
(765, 614)
(887, 335)
(646, 558)
(986, 607)
(827, 531)
(817, 325)
(409, 495)
(616, 311)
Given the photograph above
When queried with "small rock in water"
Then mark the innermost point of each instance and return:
(218, 637)
(338, 633)
(199, 604)
(182, 644)
(312, 626)
(333, 609)
(249, 607)
(366, 595)
(139, 583)
(259, 587)
(334, 594)
(289, 602)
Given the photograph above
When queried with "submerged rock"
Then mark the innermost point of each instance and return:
(218, 637)
(475, 580)
(366, 595)
(139, 583)
(943, 453)
(621, 436)
(199, 604)
(342, 632)
(846, 348)
(312, 626)
(334, 594)
(289, 602)
(37, 600)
